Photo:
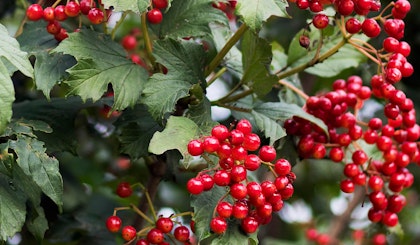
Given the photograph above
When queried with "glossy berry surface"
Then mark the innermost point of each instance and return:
(35, 12)
(154, 16)
(128, 233)
(124, 189)
(113, 223)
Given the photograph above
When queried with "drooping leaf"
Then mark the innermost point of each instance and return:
(184, 61)
(203, 205)
(189, 19)
(255, 12)
(256, 61)
(137, 128)
(176, 135)
(346, 56)
(7, 96)
(11, 56)
(43, 169)
(201, 115)
(137, 6)
(100, 62)
(272, 129)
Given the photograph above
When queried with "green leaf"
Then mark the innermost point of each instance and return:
(51, 69)
(137, 6)
(12, 208)
(279, 60)
(102, 61)
(280, 111)
(255, 12)
(185, 63)
(35, 38)
(203, 205)
(176, 135)
(7, 96)
(37, 224)
(201, 115)
(256, 61)
(345, 57)
(43, 169)
(271, 127)
(137, 128)
(11, 56)
(189, 19)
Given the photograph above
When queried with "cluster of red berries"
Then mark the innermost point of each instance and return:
(227, 7)
(251, 203)
(54, 15)
(164, 226)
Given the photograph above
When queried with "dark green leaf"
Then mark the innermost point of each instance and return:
(189, 19)
(7, 96)
(37, 224)
(255, 12)
(35, 38)
(101, 62)
(271, 127)
(279, 57)
(185, 63)
(256, 62)
(137, 128)
(137, 6)
(180, 130)
(201, 115)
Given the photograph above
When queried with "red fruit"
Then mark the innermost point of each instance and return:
(347, 186)
(251, 142)
(128, 233)
(218, 225)
(236, 137)
(224, 209)
(53, 27)
(320, 21)
(244, 126)
(371, 28)
(353, 25)
(396, 203)
(207, 181)
(34, 12)
(268, 188)
(86, 5)
(210, 144)
(124, 189)
(72, 9)
(96, 16)
(249, 224)
(345, 7)
(195, 186)
(238, 191)
(239, 210)
(154, 16)
(221, 178)
(390, 219)
(221, 132)
(336, 154)
(376, 183)
(391, 44)
(164, 224)
(129, 42)
(142, 242)
(49, 14)
(282, 167)
(379, 239)
(113, 223)
(351, 170)
(181, 233)
(195, 148)
(60, 13)
(155, 236)
(239, 153)
(252, 162)
(160, 4)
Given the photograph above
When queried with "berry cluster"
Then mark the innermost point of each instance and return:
(227, 7)
(154, 15)
(251, 203)
(164, 226)
(59, 13)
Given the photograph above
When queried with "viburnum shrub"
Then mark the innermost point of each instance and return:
(187, 122)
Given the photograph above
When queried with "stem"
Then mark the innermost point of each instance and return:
(183, 214)
(216, 76)
(147, 40)
(229, 44)
(234, 108)
(139, 212)
(294, 89)
(236, 97)
(117, 25)
(340, 222)
(312, 62)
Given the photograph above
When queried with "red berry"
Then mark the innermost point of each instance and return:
(124, 189)
(390, 219)
(239, 210)
(155, 236)
(210, 144)
(53, 27)
(195, 148)
(181, 233)
(164, 224)
(251, 142)
(238, 191)
(34, 12)
(249, 224)
(86, 5)
(142, 242)
(96, 16)
(238, 173)
(195, 186)
(160, 4)
(221, 178)
(221, 132)
(224, 209)
(379, 239)
(371, 28)
(347, 186)
(282, 167)
(154, 16)
(72, 9)
(49, 14)
(252, 162)
(113, 223)
(207, 181)
(218, 225)
(353, 25)
(129, 42)
(128, 233)
(244, 126)
(320, 21)
(375, 183)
